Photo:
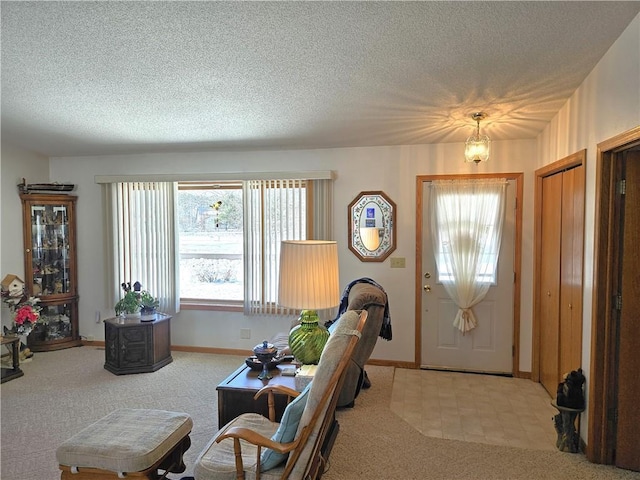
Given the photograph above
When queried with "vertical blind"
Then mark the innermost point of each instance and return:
(275, 210)
(142, 235)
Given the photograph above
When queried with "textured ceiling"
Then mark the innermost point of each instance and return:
(82, 78)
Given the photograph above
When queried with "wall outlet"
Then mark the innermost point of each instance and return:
(398, 262)
(245, 333)
(90, 338)
(97, 316)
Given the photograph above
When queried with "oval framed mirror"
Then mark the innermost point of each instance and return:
(372, 226)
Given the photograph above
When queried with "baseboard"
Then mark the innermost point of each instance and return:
(222, 351)
(391, 363)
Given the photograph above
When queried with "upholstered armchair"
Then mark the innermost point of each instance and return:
(246, 446)
(362, 296)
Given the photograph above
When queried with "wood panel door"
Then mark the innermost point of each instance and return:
(627, 451)
(571, 252)
(488, 348)
(549, 291)
(559, 252)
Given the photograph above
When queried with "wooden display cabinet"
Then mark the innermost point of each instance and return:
(49, 233)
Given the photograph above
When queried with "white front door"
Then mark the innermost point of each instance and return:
(488, 347)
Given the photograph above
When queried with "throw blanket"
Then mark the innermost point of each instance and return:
(385, 329)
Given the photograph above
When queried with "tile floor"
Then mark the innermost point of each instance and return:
(475, 408)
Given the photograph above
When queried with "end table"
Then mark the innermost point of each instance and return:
(14, 345)
(137, 344)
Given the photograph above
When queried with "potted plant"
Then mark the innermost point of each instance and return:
(129, 304)
(148, 303)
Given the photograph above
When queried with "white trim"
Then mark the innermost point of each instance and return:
(217, 176)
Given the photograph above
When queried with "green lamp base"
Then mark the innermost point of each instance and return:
(307, 340)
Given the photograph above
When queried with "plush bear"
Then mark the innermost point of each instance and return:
(570, 393)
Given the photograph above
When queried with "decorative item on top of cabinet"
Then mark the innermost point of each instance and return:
(50, 268)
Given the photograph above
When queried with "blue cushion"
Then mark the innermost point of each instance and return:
(286, 431)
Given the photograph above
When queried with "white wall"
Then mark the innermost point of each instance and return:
(390, 169)
(605, 105)
(15, 165)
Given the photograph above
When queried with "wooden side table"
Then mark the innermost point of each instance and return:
(138, 344)
(14, 345)
(235, 394)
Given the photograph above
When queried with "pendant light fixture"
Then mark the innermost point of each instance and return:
(476, 148)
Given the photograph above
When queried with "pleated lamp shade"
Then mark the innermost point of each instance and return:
(309, 277)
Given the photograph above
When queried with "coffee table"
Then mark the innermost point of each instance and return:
(236, 392)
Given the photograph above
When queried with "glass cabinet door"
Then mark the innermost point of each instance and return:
(50, 250)
(55, 322)
(50, 268)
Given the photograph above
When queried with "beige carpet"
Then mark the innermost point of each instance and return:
(64, 391)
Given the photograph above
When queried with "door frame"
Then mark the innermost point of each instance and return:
(517, 260)
(602, 385)
(574, 160)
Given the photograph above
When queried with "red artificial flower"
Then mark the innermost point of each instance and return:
(25, 314)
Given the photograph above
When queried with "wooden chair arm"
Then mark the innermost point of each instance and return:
(281, 389)
(248, 435)
(243, 433)
(271, 390)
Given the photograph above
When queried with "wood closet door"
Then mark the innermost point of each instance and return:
(550, 281)
(571, 269)
(628, 425)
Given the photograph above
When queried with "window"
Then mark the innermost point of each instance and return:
(468, 222)
(231, 232)
(219, 240)
(210, 242)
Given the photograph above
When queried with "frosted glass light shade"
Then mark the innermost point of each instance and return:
(309, 276)
(477, 148)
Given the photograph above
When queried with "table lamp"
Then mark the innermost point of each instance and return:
(309, 281)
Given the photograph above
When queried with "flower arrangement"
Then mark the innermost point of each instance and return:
(25, 311)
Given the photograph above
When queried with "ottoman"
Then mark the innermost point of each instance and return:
(135, 443)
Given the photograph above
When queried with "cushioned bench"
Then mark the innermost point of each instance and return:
(135, 443)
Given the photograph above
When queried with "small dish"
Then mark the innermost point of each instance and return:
(254, 364)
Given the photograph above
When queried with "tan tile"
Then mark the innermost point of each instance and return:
(475, 408)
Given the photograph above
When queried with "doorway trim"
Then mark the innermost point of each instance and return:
(600, 439)
(517, 260)
(574, 160)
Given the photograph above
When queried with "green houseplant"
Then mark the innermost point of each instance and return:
(148, 303)
(129, 304)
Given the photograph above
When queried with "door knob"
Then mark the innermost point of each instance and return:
(427, 288)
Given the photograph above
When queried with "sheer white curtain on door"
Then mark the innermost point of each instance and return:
(141, 233)
(466, 227)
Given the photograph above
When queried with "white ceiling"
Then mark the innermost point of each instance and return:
(90, 78)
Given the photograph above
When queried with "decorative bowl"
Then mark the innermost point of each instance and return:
(254, 364)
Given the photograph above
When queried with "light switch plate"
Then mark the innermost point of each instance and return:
(398, 262)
